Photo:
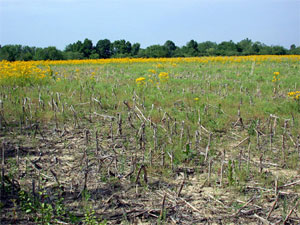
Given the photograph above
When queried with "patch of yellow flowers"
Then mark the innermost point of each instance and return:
(23, 73)
(294, 94)
(153, 78)
(174, 61)
(152, 71)
(30, 72)
(163, 76)
(140, 81)
(275, 77)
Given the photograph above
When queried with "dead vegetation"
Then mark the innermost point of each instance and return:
(82, 156)
(128, 182)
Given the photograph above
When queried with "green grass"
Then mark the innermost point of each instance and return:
(77, 101)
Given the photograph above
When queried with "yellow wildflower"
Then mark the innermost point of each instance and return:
(152, 71)
(159, 65)
(140, 81)
(163, 76)
(294, 94)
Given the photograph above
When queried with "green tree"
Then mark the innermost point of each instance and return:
(121, 48)
(75, 47)
(278, 50)
(72, 55)
(135, 48)
(86, 48)
(10, 52)
(53, 53)
(207, 48)
(191, 48)
(142, 53)
(178, 52)
(49, 53)
(39, 54)
(103, 48)
(293, 47)
(27, 53)
(94, 54)
(264, 49)
(228, 48)
(128, 48)
(156, 51)
(294, 50)
(171, 47)
(256, 48)
(244, 47)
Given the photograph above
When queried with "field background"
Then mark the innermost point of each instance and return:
(153, 141)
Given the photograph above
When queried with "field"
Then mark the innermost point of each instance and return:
(212, 140)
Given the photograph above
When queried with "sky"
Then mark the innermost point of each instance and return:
(44, 23)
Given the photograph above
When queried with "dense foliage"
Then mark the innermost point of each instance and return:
(122, 48)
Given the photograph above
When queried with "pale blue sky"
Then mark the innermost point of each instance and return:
(57, 23)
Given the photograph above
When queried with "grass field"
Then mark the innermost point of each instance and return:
(151, 141)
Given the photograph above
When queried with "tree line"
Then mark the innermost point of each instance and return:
(122, 48)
